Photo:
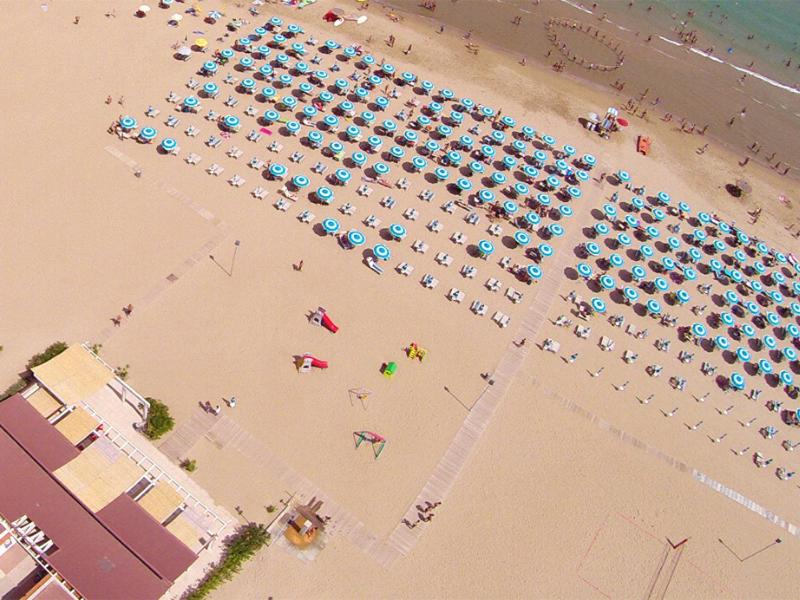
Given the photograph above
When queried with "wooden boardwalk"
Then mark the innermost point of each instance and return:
(458, 453)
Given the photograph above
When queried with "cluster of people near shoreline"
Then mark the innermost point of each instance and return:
(610, 43)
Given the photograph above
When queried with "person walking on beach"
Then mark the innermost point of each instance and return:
(407, 51)
(232, 402)
(572, 357)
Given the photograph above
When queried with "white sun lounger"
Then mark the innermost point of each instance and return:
(411, 214)
(478, 307)
(192, 131)
(388, 202)
(429, 281)
(259, 193)
(214, 169)
(282, 205)
(234, 152)
(405, 269)
(455, 295)
(372, 221)
(420, 246)
(458, 238)
(435, 226)
(501, 319)
(444, 259)
(306, 216)
(236, 180)
(193, 159)
(495, 229)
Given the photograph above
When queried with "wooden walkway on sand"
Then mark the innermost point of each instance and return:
(458, 453)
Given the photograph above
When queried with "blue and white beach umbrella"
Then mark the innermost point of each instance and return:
(410, 136)
(359, 158)
(380, 168)
(624, 239)
(300, 181)
(191, 101)
(510, 207)
(610, 210)
(211, 89)
(584, 270)
(549, 140)
(601, 228)
(463, 184)
(623, 176)
(545, 250)
(325, 195)
(356, 238)
(397, 231)
(737, 381)
(765, 366)
(631, 295)
(292, 127)
(663, 197)
(381, 252)
(419, 163)
(593, 249)
(727, 319)
(485, 247)
(661, 284)
(127, 122)
(607, 282)
(638, 272)
(441, 173)
(330, 121)
(522, 238)
(698, 330)
(598, 305)
(277, 170)
(210, 66)
(786, 378)
(615, 260)
(748, 330)
(789, 354)
(722, 342)
(531, 218)
(534, 272)
(148, 134)
(330, 226)
(589, 160)
(770, 342)
(646, 251)
(565, 210)
(169, 144)
(343, 175)
(555, 229)
(271, 116)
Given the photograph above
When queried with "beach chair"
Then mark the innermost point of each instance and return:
(514, 295)
(256, 163)
(192, 84)
(211, 116)
(420, 246)
(193, 159)
(435, 226)
(236, 180)
(455, 295)
(319, 168)
(491, 284)
(259, 193)
(449, 207)
(429, 281)
(172, 121)
(306, 216)
(458, 238)
(631, 330)
(606, 344)
(230, 79)
(173, 98)
(234, 152)
(152, 111)
(402, 183)
(629, 356)
(550, 345)
(411, 214)
(472, 218)
(388, 202)
(444, 259)
(372, 221)
(373, 264)
(495, 229)
(425, 195)
(192, 131)
(213, 141)
(468, 271)
(501, 319)
(231, 101)
(253, 136)
(505, 262)
(582, 332)
(478, 308)
(364, 190)
(275, 147)
(404, 269)
(347, 209)
(287, 193)
(282, 205)
(297, 157)
(215, 170)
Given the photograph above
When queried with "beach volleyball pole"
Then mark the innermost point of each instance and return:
(236, 245)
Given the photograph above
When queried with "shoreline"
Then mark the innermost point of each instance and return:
(724, 137)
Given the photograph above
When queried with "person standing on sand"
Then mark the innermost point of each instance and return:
(407, 51)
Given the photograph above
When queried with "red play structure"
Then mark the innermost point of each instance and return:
(320, 317)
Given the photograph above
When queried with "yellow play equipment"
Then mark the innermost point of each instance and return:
(413, 351)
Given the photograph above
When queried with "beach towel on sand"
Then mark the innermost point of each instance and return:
(643, 145)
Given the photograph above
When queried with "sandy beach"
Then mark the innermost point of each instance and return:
(564, 485)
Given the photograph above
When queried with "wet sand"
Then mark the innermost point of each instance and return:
(688, 85)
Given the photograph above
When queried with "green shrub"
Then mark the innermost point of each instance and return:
(122, 372)
(241, 547)
(189, 465)
(159, 421)
(14, 388)
(51, 351)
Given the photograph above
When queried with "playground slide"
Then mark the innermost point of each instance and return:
(328, 324)
(315, 362)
